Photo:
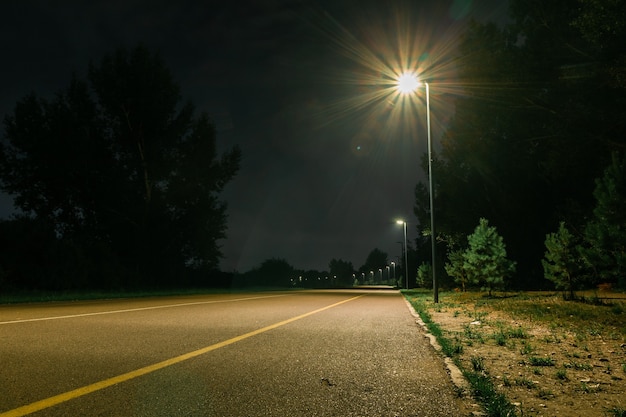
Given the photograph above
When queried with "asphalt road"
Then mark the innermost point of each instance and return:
(308, 353)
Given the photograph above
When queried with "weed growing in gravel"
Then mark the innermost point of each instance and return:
(478, 363)
(578, 366)
(524, 382)
(617, 412)
(526, 348)
(470, 332)
(562, 375)
(479, 315)
(500, 338)
(494, 402)
(535, 361)
(545, 394)
(518, 333)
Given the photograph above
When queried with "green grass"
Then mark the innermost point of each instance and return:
(578, 366)
(478, 363)
(526, 348)
(524, 382)
(494, 403)
(617, 412)
(541, 361)
(562, 375)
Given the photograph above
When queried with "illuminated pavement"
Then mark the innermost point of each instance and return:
(309, 353)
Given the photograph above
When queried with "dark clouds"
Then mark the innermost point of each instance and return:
(321, 178)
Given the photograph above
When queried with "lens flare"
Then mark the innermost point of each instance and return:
(407, 83)
(373, 76)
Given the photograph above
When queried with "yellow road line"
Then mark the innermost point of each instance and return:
(132, 310)
(67, 396)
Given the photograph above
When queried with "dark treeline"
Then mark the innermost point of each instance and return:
(277, 272)
(542, 114)
(118, 183)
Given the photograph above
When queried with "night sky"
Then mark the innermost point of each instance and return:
(331, 155)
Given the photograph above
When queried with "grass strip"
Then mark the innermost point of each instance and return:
(494, 403)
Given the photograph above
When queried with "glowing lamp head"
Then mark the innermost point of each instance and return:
(400, 221)
(407, 83)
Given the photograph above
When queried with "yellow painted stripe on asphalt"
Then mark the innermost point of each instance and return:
(132, 310)
(66, 396)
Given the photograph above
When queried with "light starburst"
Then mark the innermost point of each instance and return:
(407, 83)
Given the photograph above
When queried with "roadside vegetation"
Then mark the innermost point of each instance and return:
(531, 354)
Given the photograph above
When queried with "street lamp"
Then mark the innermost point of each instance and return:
(406, 264)
(407, 83)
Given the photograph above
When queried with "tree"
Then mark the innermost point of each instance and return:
(117, 159)
(605, 233)
(485, 260)
(376, 260)
(272, 272)
(561, 263)
(342, 272)
(424, 275)
(602, 24)
(456, 268)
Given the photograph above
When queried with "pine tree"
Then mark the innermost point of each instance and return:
(455, 268)
(485, 260)
(561, 262)
(424, 275)
(605, 234)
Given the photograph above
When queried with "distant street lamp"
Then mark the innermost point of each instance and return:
(406, 264)
(394, 271)
(408, 83)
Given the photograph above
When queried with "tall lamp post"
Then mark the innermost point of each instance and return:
(406, 264)
(408, 83)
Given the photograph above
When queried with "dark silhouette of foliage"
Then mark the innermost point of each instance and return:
(274, 272)
(116, 162)
(341, 272)
(535, 123)
(562, 263)
(375, 260)
(605, 233)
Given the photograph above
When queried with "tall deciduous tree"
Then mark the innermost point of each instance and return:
(119, 159)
